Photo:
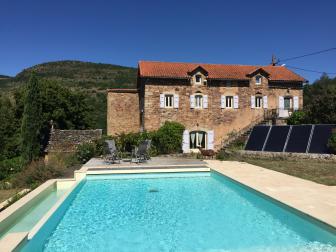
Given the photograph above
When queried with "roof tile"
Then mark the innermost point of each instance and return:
(215, 71)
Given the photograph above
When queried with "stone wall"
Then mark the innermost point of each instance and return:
(286, 155)
(222, 121)
(62, 141)
(123, 114)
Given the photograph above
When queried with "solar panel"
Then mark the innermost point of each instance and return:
(320, 138)
(277, 138)
(257, 138)
(298, 139)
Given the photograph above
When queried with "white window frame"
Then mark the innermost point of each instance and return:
(229, 102)
(200, 79)
(198, 101)
(258, 103)
(258, 79)
(167, 103)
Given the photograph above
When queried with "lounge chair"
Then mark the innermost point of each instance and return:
(140, 153)
(113, 154)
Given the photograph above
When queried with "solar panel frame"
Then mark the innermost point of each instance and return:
(299, 138)
(277, 138)
(257, 138)
(320, 137)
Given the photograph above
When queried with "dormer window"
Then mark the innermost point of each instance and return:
(198, 79)
(258, 79)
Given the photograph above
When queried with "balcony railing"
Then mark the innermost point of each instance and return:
(270, 114)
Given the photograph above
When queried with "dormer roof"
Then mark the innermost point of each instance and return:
(198, 69)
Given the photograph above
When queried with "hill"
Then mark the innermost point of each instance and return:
(90, 78)
(80, 74)
(4, 76)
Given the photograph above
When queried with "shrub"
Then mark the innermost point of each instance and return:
(10, 166)
(297, 117)
(332, 142)
(38, 172)
(168, 139)
(86, 151)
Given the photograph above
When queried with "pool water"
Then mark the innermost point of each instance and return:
(201, 213)
(28, 220)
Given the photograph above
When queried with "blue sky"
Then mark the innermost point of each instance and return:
(124, 32)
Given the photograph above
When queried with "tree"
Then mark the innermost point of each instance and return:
(31, 121)
(9, 133)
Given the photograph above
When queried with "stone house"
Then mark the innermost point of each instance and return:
(210, 100)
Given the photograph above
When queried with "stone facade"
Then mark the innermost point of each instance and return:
(123, 114)
(130, 112)
(221, 120)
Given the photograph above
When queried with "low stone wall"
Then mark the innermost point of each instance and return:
(286, 155)
(62, 141)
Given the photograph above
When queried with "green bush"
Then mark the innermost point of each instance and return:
(168, 139)
(86, 151)
(332, 142)
(10, 166)
(298, 117)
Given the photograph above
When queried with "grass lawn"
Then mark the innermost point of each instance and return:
(323, 172)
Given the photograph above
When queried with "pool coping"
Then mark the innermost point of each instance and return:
(285, 195)
(15, 240)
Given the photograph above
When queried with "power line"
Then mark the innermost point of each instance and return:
(309, 54)
(309, 70)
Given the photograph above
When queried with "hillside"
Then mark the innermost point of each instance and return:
(4, 76)
(90, 78)
(80, 74)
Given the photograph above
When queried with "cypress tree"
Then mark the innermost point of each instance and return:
(31, 121)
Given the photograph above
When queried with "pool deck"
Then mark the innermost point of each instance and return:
(315, 200)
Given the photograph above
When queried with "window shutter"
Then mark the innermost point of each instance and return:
(296, 103)
(252, 101)
(223, 98)
(176, 101)
(192, 101)
(162, 101)
(185, 141)
(281, 102)
(235, 101)
(205, 101)
(210, 140)
(265, 101)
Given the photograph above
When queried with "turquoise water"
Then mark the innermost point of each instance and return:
(203, 213)
(30, 217)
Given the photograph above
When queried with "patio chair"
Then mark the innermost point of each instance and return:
(140, 153)
(113, 154)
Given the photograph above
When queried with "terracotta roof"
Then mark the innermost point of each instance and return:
(215, 71)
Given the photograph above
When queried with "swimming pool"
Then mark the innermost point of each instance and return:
(175, 212)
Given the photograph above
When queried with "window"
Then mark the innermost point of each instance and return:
(198, 101)
(258, 79)
(229, 101)
(288, 103)
(169, 101)
(228, 84)
(258, 101)
(198, 139)
(198, 79)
